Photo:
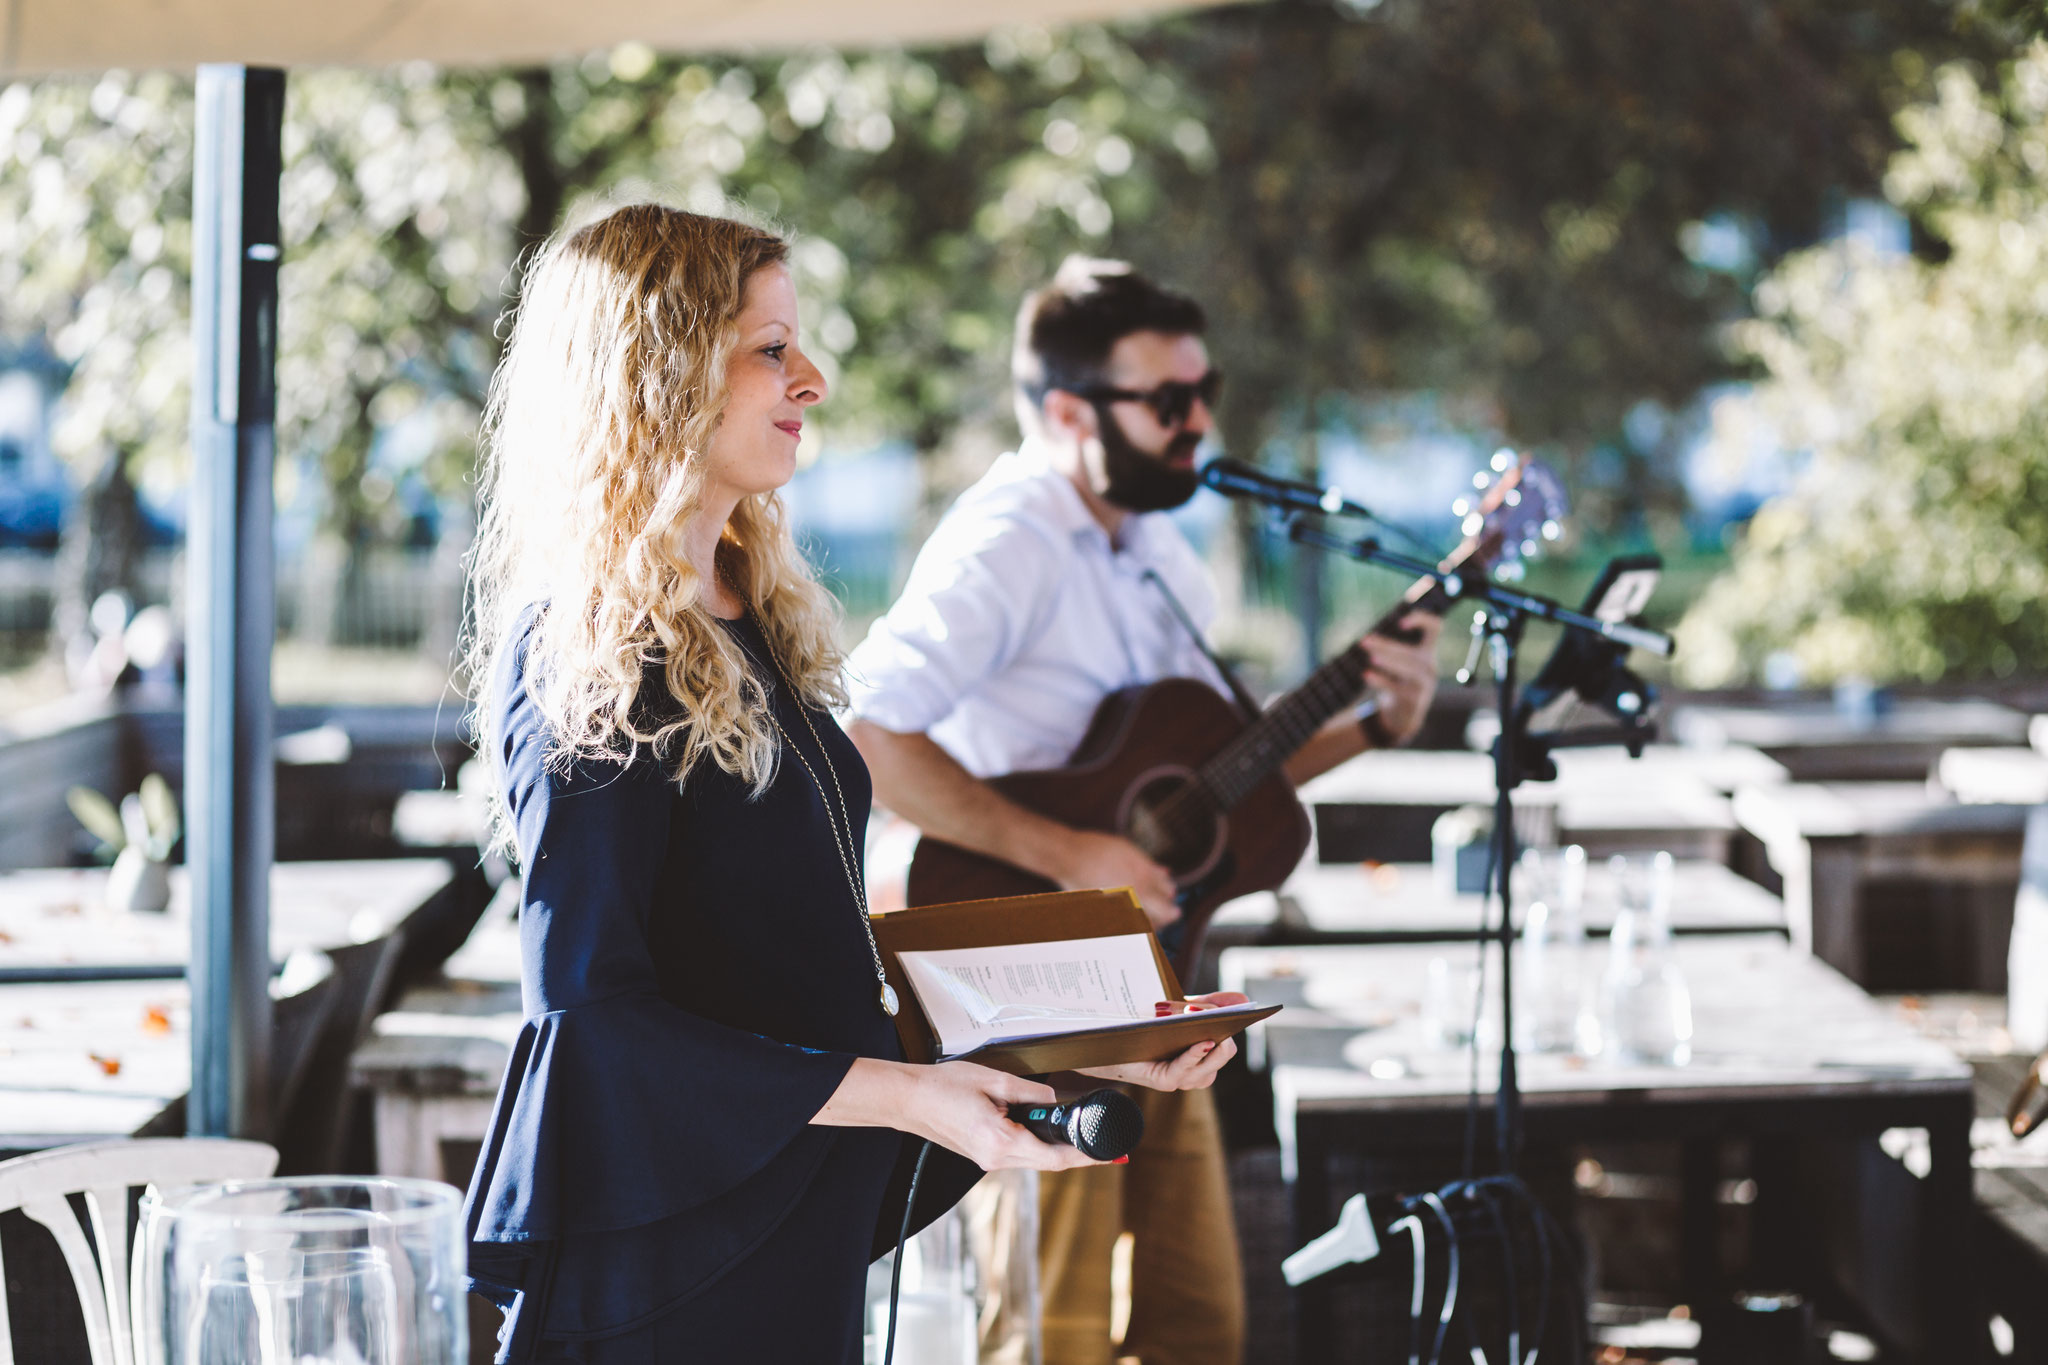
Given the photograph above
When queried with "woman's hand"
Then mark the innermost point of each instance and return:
(960, 1106)
(965, 1107)
(1194, 1069)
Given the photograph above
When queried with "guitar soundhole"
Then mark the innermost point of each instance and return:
(1172, 822)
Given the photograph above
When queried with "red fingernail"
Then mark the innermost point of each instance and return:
(1124, 1160)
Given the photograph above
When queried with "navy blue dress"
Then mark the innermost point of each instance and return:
(696, 985)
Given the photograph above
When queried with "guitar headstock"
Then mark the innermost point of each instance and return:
(1516, 508)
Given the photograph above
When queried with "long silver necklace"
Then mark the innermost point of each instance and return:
(840, 820)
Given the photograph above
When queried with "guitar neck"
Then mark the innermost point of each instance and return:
(1279, 733)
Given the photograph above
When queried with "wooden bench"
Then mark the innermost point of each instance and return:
(1895, 885)
(1380, 806)
(1817, 742)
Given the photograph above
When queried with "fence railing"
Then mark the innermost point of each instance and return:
(379, 598)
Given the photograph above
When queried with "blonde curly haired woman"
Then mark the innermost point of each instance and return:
(700, 1141)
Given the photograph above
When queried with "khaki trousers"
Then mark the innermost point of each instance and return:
(1186, 1285)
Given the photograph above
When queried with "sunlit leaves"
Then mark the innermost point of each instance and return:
(1917, 545)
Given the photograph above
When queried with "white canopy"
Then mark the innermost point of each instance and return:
(38, 36)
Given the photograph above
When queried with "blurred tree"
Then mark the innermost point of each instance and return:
(95, 254)
(1502, 199)
(1915, 546)
(1485, 197)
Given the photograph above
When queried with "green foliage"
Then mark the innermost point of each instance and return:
(96, 252)
(1915, 546)
(146, 819)
(1483, 197)
(1493, 198)
(98, 816)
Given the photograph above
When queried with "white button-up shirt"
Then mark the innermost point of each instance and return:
(1020, 616)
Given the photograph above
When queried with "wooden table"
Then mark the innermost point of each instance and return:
(1402, 902)
(84, 1060)
(1834, 843)
(2005, 775)
(1381, 805)
(95, 1033)
(55, 926)
(1783, 1047)
(1818, 743)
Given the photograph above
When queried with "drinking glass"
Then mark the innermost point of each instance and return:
(1646, 1010)
(936, 1305)
(1642, 884)
(328, 1271)
(1550, 970)
(1452, 1000)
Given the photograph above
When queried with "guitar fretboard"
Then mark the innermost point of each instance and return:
(1270, 741)
(1273, 738)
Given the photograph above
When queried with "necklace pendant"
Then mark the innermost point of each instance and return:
(889, 1005)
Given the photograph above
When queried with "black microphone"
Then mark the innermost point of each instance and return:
(1236, 479)
(1103, 1124)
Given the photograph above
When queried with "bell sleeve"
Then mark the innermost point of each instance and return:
(685, 1141)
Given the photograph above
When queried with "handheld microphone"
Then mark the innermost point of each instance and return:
(1236, 479)
(1103, 1124)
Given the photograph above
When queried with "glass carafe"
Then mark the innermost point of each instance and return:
(1645, 1008)
(1550, 968)
(325, 1271)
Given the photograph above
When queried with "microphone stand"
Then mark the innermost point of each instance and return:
(1507, 612)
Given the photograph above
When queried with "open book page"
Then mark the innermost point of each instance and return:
(973, 996)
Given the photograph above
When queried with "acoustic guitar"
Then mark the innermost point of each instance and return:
(1174, 767)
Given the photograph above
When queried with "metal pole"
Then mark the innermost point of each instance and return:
(230, 787)
(1308, 565)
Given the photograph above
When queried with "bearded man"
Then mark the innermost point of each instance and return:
(1053, 582)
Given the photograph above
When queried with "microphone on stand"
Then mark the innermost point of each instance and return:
(1236, 479)
(1103, 1124)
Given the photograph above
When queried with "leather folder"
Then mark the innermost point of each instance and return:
(1045, 918)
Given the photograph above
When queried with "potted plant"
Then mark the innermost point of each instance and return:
(140, 836)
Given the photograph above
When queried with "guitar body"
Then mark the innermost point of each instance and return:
(1141, 750)
(1176, 770)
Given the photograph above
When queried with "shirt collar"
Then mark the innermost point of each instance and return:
(1070, 512)
(1067, 508)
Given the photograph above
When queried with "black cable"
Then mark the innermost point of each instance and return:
(1469, 1168)
(903, 1236)
(1507, 1113)
(1568, 1253)
(1435, 1204)
(1487, 1196)
(1420, 1250)
(1537, 1217)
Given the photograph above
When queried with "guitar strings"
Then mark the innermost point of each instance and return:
(1188, 814)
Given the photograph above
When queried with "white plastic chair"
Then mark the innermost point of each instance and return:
(38, 1184)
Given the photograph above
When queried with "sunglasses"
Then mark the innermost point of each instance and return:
(1172, 402)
